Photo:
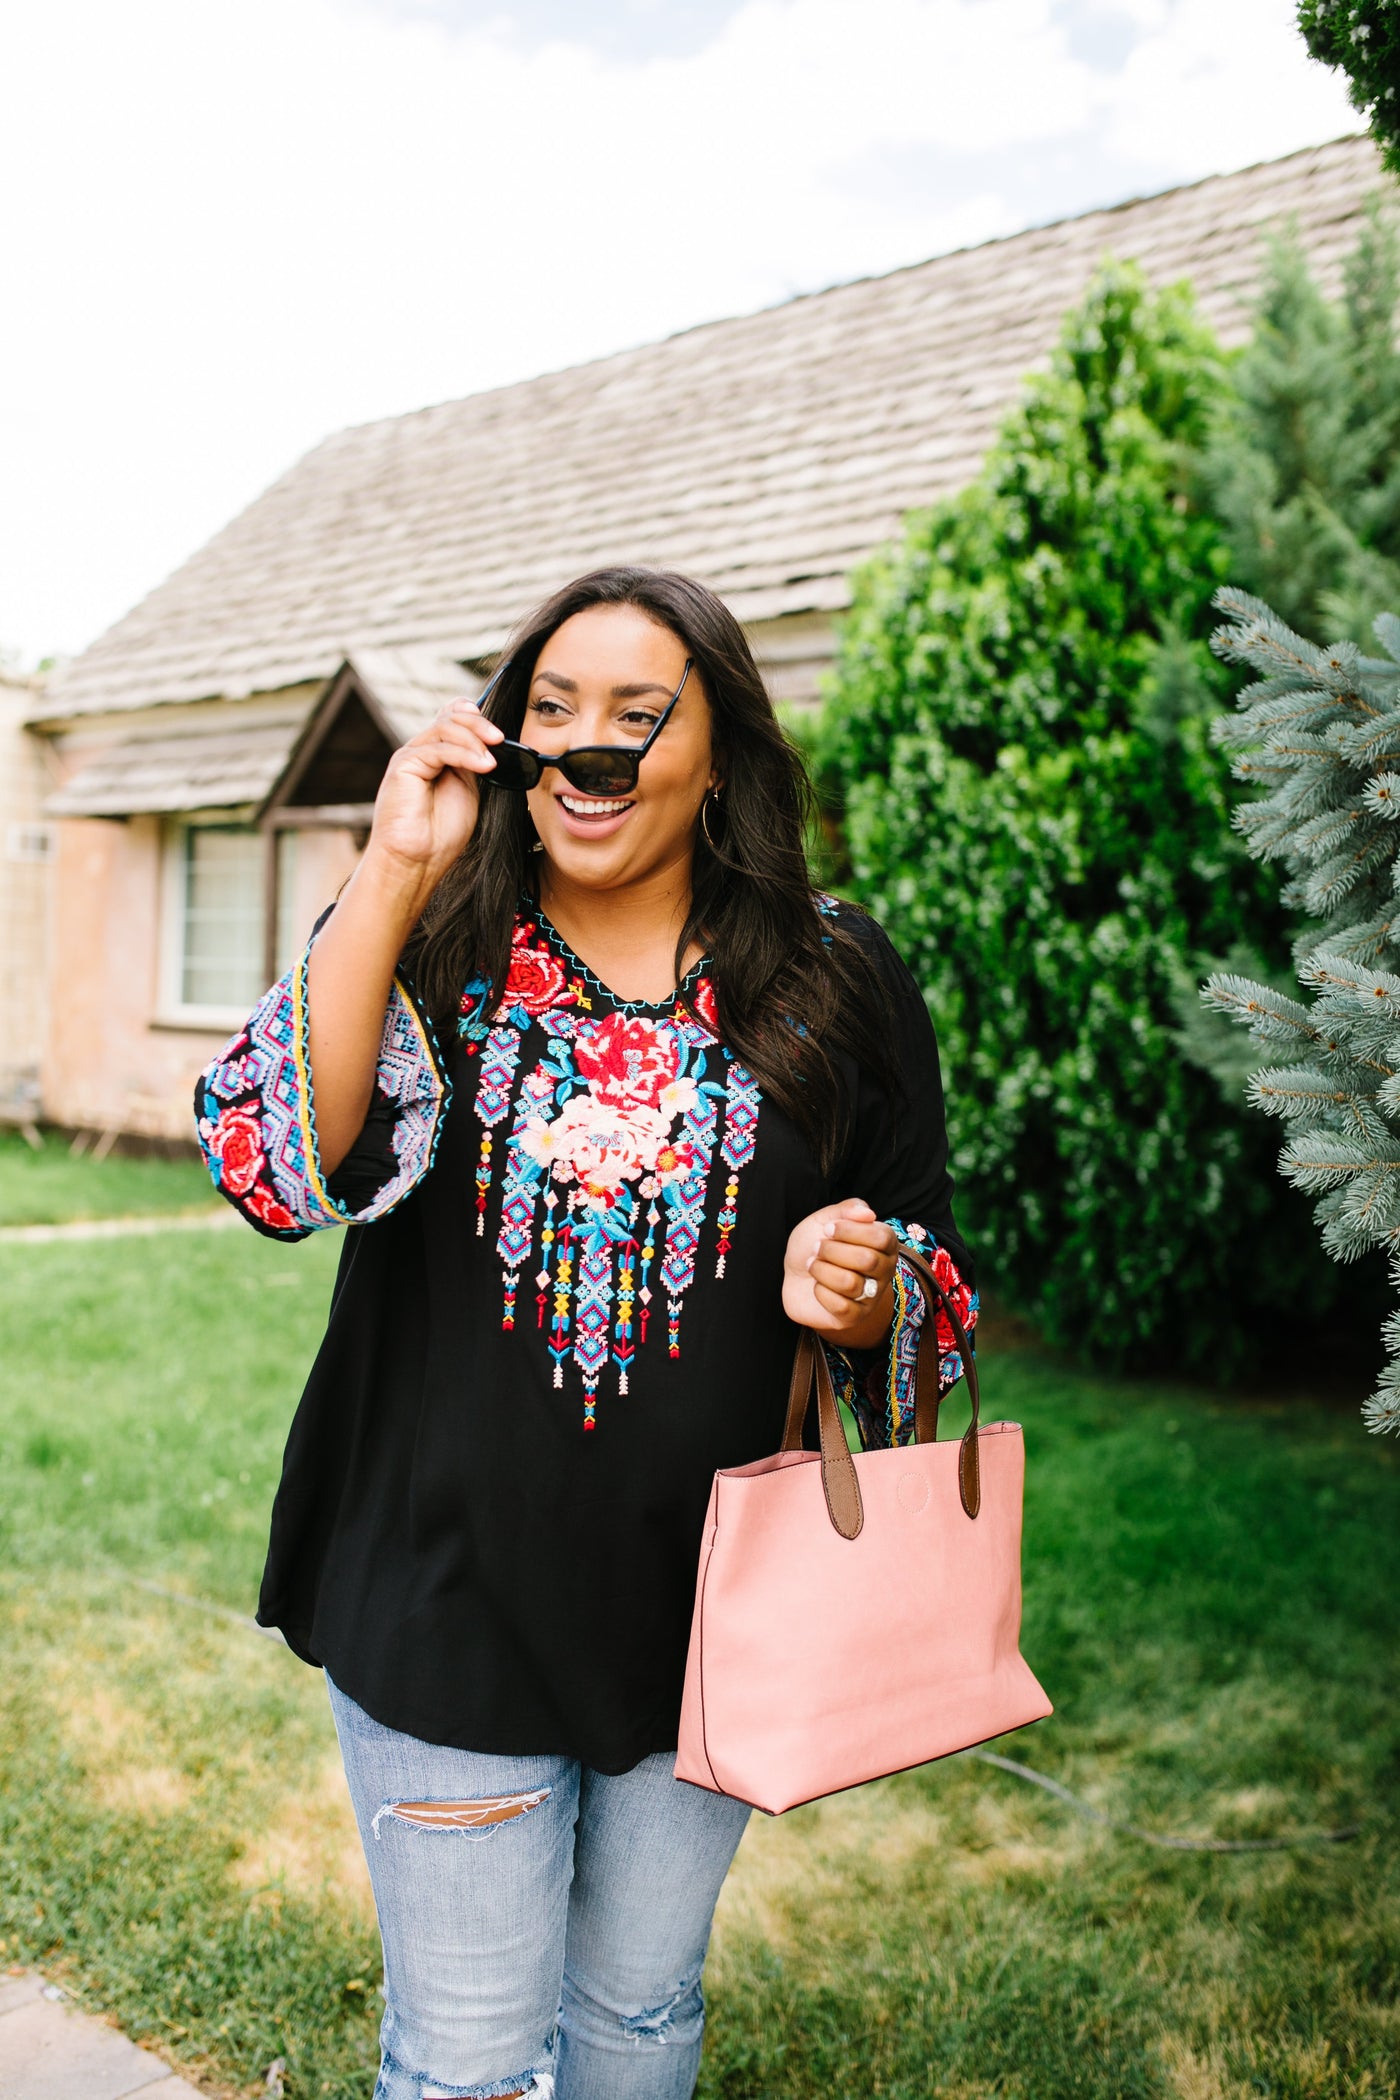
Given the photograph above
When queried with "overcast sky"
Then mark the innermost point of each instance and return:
(233, 226)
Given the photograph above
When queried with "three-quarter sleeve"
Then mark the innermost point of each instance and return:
(256, 1116)
(897, 1161)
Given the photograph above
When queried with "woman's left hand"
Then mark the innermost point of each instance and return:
(831, 1258)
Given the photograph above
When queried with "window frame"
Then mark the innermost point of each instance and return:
(172, 1009)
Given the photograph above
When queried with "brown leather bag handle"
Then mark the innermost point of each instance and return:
(839, 1481)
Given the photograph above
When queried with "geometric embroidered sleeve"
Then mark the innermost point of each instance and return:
(879, 1384)
(256, 1118)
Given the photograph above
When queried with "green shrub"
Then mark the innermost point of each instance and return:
(1019, 734)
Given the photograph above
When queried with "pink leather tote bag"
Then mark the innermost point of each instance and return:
(855, 1615)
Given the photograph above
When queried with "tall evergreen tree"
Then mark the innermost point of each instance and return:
(1020, 732)
(1303, 462)
(1317, 735)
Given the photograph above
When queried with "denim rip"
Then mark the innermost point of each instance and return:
(476, 1820)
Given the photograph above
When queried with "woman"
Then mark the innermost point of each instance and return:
(620, 1098)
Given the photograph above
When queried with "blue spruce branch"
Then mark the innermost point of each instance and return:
(1316, 739)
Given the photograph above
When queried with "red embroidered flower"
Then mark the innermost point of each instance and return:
(704, 1006)
(264, 1205)
(536, 979)
(945, 1270)
(627, 1060)
(236, 1142)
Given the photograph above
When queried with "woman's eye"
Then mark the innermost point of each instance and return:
(552, 710)
(637, 722)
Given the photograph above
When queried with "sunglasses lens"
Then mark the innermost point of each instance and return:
(601, 772)
(516, 767)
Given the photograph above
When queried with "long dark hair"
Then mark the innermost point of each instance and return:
(792, 985)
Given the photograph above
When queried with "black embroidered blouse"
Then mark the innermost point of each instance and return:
(558, 1311)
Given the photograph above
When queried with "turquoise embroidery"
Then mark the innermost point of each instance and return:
(608, 1163)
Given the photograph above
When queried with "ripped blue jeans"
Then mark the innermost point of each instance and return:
(544, 1925)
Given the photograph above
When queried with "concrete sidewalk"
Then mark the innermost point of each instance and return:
(50, 2051)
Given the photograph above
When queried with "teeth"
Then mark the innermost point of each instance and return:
(579, 808)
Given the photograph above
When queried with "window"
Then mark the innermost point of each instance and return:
(221, 947)
(31, 842)
(216, 920)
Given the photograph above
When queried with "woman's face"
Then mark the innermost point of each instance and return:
(605, 677)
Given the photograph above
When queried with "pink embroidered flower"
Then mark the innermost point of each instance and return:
(536, 979)
(678, 1097)
(704, 1007)
(236, 1142)
(599, 1145)
(627, 1060)
(539, 1086)
(264, 1205)
(673, 1162)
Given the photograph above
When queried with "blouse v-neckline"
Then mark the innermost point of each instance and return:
(576, 964)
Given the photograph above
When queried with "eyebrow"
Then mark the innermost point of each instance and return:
(619, 692)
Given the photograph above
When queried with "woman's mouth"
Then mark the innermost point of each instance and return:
(591, 814)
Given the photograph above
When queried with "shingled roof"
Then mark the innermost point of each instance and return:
(767, 454)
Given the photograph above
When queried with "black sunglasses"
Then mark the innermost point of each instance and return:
(594, 769)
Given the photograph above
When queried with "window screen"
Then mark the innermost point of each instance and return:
(221, 960)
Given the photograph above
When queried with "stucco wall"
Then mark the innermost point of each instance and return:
(110, 1063)
(24, 880)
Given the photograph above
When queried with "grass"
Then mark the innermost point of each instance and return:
(50, 1186)
(1212, 1599)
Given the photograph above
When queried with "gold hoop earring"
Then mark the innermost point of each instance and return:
(713, 796)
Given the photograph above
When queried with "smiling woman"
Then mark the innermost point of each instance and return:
(617, 1099)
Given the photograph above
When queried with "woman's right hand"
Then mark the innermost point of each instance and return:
(426, 808)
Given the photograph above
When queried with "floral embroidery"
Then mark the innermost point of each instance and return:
(628, 1062)
(705, 1006)
(265, 1206)
(535, 980)
(609, 1154)
(235, 1141)
(256, 1118)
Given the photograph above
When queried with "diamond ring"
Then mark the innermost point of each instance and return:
(870, 1288)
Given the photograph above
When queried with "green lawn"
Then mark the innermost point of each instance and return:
(49, 1186)
(1212, 1600)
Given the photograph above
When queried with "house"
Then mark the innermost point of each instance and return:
(219, 748)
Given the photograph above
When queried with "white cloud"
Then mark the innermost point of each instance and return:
(234, 227)
(1208, 77)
